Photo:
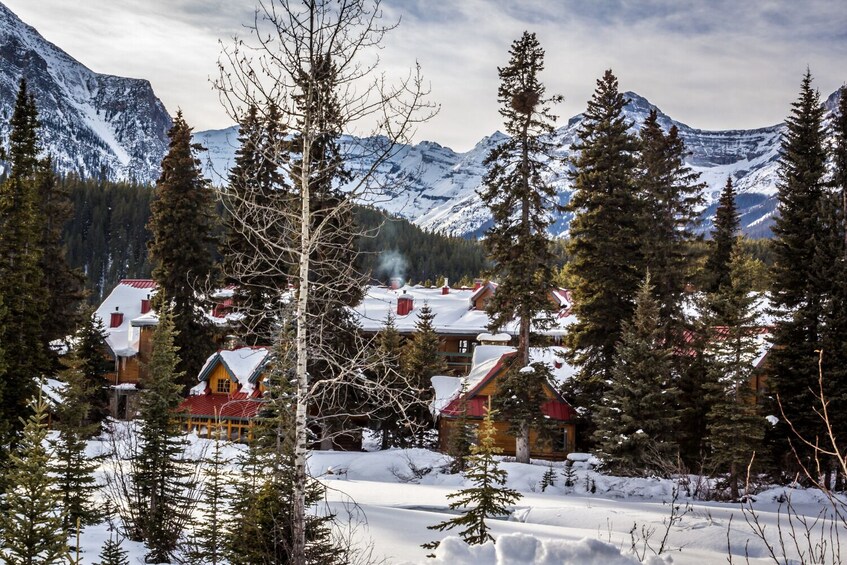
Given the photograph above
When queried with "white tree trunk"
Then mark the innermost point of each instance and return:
(522, 444)
(301, 446)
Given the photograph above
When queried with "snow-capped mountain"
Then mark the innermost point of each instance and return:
(92, 123)
(439, 185)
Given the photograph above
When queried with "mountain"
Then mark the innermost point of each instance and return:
(96, 124)
(440, 185)
(92, 124)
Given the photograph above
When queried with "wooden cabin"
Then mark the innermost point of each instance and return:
(228, 394)
(491, 363)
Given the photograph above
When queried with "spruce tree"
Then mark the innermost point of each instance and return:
(488, 497)
(112, 553)
(637, 421)
(73, 470)
(390, 422)
(671, 195)
(724, 237)
(735, 426)
(261, 527)
(207, 543)
(421, 360)
(606, 266)
(462, 434)
(256, 179)
(31, 523)
(520, 200)
(64, 286)
(161, 479)
(796, 296)
(21, 277)
(90, 350)
(182, 247)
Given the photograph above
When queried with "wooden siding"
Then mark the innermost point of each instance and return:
(506, 442)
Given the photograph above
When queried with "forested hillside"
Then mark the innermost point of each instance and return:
(107, 239)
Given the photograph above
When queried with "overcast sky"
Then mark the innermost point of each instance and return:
(713, 64)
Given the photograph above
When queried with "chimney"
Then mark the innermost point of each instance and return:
(477, 284)
(396, 283)
(405, 304)
(117, 318)
(446, 288)
(145, 304)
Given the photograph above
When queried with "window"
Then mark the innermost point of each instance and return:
(560, 442)
(223, 386)
(464, 346)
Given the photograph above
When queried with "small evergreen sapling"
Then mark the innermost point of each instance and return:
(488, 497)
(548, 479)
(112, 553)
(31, 524)
(569, 474)
(461, 435)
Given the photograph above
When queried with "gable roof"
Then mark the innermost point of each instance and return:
(488, 365)
(244, 365)
(126, 297)
(235, 406)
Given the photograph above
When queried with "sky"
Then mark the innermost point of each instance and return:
(712, 64)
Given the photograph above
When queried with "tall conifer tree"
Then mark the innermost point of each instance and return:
(161, 479)
(91, 352)
(21, 277)
(421, 361)
(735, 426)
(605, 245)
(671, 193)
(798, 297)
(520, 200)
(637, 421)
(724, 238)
(256, 179)
(182, 223)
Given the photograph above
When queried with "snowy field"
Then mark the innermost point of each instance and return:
(386, 499)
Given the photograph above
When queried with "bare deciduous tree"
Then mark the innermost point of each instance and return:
(315, 62)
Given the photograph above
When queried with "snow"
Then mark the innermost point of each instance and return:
(126, 298)
(453, 312)
(390, 497)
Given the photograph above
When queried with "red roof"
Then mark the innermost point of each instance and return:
(139, 283)
(238, 405)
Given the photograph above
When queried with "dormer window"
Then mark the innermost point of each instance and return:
(223, 386)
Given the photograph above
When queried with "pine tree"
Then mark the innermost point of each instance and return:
(520, 201)
(671, 195)
(735, 426)
(207, 544)
(724, 237)
(182, 226)
(21, 278)
(112, 553)
(421, 360)
(487, 498)
(796, 296)
(256, 179)
(73, 470)
(605, 243)
(31, 524)
(261, 527)
(637, 420)
(90, 350)
(461, 435)
(390, 422)
(161, 479)
(64, 286)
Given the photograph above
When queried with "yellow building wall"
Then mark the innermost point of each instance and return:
(219, 373)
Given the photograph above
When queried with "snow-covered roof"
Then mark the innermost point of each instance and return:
(126, 299)
(454, 314)
(244, 365)
(487, 357)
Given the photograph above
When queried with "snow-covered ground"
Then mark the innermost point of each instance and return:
(386, 499)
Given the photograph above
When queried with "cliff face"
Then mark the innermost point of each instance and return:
(92, 124)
